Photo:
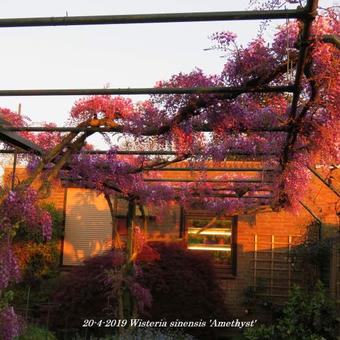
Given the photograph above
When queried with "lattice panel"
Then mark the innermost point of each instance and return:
(273, 273)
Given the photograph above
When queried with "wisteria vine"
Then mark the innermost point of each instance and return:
(199, 128)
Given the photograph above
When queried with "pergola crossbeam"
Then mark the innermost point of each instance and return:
(18, 141)
(151, 18)
(211, 180)
(119, 129)
(232, 153)
(207, 169)
(146, 91)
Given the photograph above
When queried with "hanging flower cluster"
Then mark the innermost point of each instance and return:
(21, 207)
(9, 268)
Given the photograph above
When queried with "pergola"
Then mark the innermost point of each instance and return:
(306, 15)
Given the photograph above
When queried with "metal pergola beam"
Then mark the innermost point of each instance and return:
(261, 197)
(222, 169)
(216, 189)
(148, 153)
(211, 180)
(16, 140)
(146, 91)
(316, 218)
(324, 181)
(311, 212)
(119, 129)
(233, 196)
(151, 18)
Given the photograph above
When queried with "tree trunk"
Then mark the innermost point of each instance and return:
(130, 224)
(116, 241)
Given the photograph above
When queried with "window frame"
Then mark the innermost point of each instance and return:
(186, 215)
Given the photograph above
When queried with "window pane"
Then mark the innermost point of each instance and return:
(211, 235)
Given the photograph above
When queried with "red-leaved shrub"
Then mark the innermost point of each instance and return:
(85, 293)
(183, 286)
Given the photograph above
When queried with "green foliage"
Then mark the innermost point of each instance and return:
(34, 332)
(37, 261)
(312, 257)
(306, 316)
(262, 332)
(313, 251)
(34, 297)
(5, 298)
(255, 301)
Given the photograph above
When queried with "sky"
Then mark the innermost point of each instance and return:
(110, 55)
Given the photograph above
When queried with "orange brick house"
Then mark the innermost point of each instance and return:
(253, 250)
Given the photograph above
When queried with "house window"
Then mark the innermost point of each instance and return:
(216, 236)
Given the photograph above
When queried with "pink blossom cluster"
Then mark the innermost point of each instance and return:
(47, 140)
(9, 268)
(248, 63)
(290, 187)
(105, 106)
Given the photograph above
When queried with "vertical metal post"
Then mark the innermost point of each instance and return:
(62, 239)
(255, 260)
(319, 231)
(114, 221)
(272, 265)
(15, 158)
(289, 261)
(234, 244)
(182, 222)
(144, 214)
